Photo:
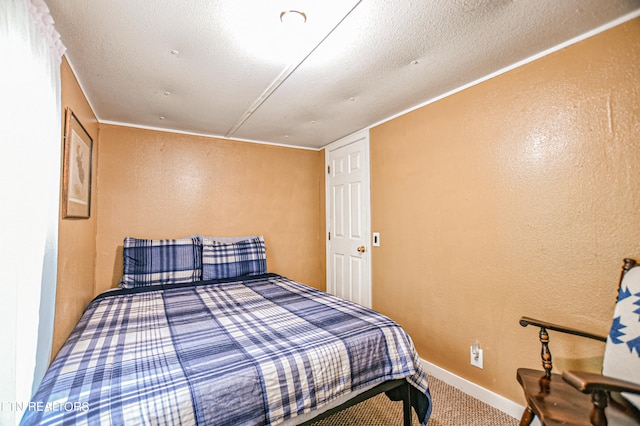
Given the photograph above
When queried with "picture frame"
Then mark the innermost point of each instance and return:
(77, 163)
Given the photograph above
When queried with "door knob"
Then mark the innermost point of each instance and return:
(361, 249)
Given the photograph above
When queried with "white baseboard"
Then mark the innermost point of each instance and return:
(488, 397)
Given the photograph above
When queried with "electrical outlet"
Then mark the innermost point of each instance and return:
(477, 357)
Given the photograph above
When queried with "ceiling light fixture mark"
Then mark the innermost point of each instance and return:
(167, 93)
(174, 52)
(162, 117)
(293, 17)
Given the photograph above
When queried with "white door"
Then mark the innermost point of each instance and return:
(348, 219)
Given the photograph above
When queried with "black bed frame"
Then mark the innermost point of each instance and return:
(401, 384)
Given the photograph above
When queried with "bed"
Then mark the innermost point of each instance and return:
(202, 345)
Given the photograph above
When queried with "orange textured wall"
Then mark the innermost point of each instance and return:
(518, 196)
(155, 184)
(77, 237)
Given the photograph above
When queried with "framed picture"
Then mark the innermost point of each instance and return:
(78, 150)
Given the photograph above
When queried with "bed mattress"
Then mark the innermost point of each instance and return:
(261, 350)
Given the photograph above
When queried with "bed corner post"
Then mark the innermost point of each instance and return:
(406, 404)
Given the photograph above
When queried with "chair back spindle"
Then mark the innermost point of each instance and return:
(545, 353)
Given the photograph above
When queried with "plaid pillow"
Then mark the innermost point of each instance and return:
(229, 260)
(152, 262)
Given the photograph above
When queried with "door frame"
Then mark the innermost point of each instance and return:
(366, 208)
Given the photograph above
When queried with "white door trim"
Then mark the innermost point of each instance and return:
(354, 137)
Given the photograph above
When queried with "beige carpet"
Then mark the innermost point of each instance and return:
(451, 407)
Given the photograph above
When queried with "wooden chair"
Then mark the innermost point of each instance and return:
(580, 398)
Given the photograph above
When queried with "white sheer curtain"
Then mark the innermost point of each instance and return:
(30, 131)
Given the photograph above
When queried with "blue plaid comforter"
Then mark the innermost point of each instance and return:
(228, 352)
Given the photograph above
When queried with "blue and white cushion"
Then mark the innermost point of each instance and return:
(622, 352)
(153, 262)
(230, 260)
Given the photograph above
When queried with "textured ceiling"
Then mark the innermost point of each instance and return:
(228, 68)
